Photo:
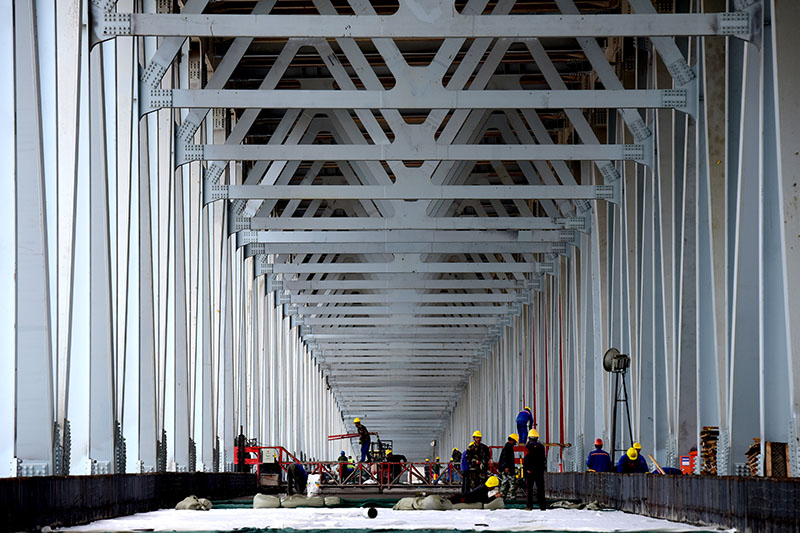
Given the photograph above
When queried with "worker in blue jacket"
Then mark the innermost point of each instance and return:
(465, 470)
(296, 478)
(599, 460)
(524, 421)
(629, 463)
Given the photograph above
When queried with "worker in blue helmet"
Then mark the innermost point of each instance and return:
(524, 422)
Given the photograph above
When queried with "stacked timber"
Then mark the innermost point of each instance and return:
(752, 454)
(708, 449)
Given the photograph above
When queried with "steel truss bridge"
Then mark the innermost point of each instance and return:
(278, 215)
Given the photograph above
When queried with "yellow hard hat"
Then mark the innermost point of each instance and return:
(633, 454)
(388, 452)
(455, 449)
(533, 434)
(356, 421)
(477, 434)
(526, 408)
(514, 436)
(437, 457)
(492, 482)
(637, 446)
(427, 460)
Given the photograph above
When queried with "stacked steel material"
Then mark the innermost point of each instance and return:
(752, 454)
(708, 444)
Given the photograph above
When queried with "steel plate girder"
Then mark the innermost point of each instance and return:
(396, 282)
(405, 25)
(423, 149)
(401, 98)
(418, 222)
(407, 236)
(400, 267)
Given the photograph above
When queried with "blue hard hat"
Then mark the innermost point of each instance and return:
(342, 453)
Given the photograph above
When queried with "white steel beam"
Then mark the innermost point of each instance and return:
(401, 98)
(405, 310)
(403, 25)
(420, 222)
(402, 297)
(399, 283)
(401, 267)
(419, 191)
(421, 150)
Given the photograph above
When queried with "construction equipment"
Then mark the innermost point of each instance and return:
(618, 363)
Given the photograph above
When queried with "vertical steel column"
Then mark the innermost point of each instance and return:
(785, 41)
(33, 350)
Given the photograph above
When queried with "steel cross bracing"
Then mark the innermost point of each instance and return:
(283, 214)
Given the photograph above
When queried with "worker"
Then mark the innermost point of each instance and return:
(524, 421)
(427, 470)
(505, 466)
(643, 468)
(599, 460)
(393, 470)
(478, 457)
(342, 466)
(465, 483)
(629, 463)
(534, 466)
(296, 478)
(437, 469)
(363, 439)
(454, 469)
(483, 494)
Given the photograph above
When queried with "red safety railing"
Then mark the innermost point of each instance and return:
(383, 475)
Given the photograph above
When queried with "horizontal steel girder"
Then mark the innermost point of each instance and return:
(407, 223)
(402, 98)
(415, 360)
(388, 299)
(415, 248)
(406, 236)
(400, 267)
(409, 192)
(405, 25)
(405, 310)
(398, 320)
(399, 283)
(431, 151)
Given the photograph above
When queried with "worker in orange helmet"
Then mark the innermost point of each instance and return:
(599, 460)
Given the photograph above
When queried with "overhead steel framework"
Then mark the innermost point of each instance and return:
(277, 215)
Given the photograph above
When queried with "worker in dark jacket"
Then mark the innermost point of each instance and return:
(478, 457)
(363, 439)
(599, 460)
(534, 467)
(393, 468)
(629, 463)
(505, 466)
(296, 479)
(524, 422)
(483, 494)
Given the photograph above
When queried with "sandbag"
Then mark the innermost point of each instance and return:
(191, 503)
(332, 501)
(299, 500)
(476, 505)
(265, 501)
(207, 505)
(434, 502)
(405, 504)
(497, 503)
(594, 506)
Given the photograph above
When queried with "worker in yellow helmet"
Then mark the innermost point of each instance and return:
(534, 466)
(643, 467)
(436, 468)
(629, 463)
(478, 457)
(485, 493)
(363, 439)
(506, 467)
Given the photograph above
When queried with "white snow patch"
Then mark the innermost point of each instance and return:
(340, 518)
